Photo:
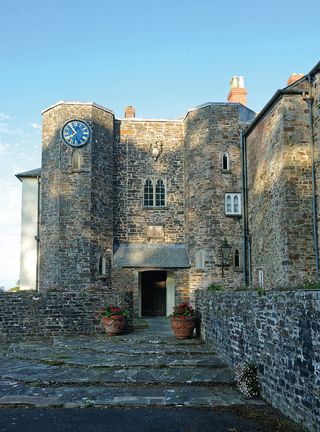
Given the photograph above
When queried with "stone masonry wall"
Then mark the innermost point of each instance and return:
(209, 132)
(36, 314)
(280, 332)
(76, 205)
(279, 191)
(133, 164)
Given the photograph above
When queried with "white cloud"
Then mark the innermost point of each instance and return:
(4, 116)
(35, 126)
(3, 148)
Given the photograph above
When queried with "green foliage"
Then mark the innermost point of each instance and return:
(247, 379)
(215, 287)
(311, 284)
(261, 291)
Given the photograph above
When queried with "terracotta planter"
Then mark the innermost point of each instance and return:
(114, 325)
(183, 327)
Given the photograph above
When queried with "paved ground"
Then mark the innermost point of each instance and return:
(112, 419)
(144, 369)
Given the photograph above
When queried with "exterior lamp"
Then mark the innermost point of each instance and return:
(225, 253)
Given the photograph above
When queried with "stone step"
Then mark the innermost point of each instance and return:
(24, 371)
(92, 360)
(151, 348)
(14, 394)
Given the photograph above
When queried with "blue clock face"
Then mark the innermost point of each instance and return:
(76, 133)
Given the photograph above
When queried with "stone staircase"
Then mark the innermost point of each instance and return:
(148, 367)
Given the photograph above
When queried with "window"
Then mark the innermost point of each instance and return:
(236, 258)
(160, 193)
(102, 265)
(148, 193)
(75, 160)
(225, 161)
(260, 278)
(233, 204)
(154, 193)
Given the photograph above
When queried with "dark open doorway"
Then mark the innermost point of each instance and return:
(153, 293)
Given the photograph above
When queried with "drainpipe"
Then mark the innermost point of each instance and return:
(37, 237)
(244, 219)
(247, 276)
(309, 100)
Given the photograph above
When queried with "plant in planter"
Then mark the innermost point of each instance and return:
(113, 319)
(183, 320)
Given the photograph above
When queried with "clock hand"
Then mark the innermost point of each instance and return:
(72, 128)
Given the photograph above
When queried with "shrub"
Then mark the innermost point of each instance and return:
(247, 379)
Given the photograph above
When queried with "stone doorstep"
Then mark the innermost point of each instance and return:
(173, 397)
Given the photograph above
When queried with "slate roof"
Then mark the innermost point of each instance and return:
(32, 173)
(155, 255)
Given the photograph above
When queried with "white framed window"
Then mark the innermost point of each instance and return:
(260, 278)
(154, 193)
(225, 162)
(232, 203)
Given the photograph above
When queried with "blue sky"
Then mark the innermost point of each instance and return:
(161, 56)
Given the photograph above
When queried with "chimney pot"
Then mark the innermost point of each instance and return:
(129, 112)
(238, 92)
(294, 77)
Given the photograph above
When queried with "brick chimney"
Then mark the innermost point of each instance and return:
(294, 77)
(237, 93)
(129, 112)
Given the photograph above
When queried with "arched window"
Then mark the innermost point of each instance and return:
(160, 194)
(75, 160)
(225, 161)
(154, 193)
(236, 258)
(229, 204)
(102, 265)
(235, 204)
(148, 193)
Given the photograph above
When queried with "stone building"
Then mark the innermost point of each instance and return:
(282, 186)
(146, 205)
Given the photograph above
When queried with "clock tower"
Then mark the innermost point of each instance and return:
(76, 224)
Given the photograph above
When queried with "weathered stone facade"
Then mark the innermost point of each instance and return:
(76, 205)
(268, 163)
(282, 195)
(89, 210)
(279, 332)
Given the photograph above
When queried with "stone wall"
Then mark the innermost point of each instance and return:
(36, 314)
(280, 332)
(280, 194)
(134, 163)
(210, 131)
(76, 224)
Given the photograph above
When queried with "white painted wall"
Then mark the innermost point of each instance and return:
(29, 218)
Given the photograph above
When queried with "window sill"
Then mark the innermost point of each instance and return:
(223, 171)
(237, 215)
(155, 208)
(237, 269)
